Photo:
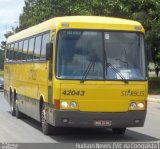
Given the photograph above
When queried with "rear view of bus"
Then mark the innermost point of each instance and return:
(100, 67)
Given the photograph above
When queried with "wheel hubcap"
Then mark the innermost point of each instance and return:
(12, 106)
(44, 120)
(16, 107)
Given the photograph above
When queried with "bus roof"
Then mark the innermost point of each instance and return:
(79, 22)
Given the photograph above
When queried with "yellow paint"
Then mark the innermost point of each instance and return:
(104, 96)
(28, 79)
(31, 79)
(78, 22)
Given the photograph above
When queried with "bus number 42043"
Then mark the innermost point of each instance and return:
(73, 93)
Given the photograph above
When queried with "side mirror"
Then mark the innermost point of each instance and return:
(49, 51)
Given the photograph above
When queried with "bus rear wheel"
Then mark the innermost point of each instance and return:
(118, 130)
(18, 114)
(46, 128)
(12, 104)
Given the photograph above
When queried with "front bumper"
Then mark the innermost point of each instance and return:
(87, 119)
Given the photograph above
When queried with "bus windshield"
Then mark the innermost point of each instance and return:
(100, 55)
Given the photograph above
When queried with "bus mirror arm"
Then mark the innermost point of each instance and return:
(50, 71)
(49, 56)
(49, 51)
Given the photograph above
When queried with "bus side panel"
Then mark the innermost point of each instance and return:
(8, 71)
(31, 81)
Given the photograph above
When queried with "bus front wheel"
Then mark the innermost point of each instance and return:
(118, 130)
(46, 128)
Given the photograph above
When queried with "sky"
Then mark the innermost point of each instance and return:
(9, 15)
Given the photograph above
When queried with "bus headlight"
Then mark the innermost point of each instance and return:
(64, 104)
(73, 104)
(140, 105)
(133, 106)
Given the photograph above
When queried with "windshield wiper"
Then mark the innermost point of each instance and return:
(91, 64)
(117, 72)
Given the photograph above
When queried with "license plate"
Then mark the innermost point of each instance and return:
(102, 122)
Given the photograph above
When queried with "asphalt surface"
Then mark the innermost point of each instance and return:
(27, 130)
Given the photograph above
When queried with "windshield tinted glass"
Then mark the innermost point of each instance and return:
(125, 52)
(104, 55)
(76, 51)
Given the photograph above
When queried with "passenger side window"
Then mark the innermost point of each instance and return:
(37, 47)
(45, 39)
(30, 49)
(7, 52)
(20, 50)
(25, 50)
(11, 52)
(15, 51)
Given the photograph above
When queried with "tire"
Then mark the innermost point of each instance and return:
(18, 114)
(12, 104)
(118, 130)
(46, 128)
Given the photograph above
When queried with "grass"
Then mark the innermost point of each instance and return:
(154, 85)
(1, 73)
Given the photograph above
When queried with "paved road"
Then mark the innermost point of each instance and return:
(29, 131)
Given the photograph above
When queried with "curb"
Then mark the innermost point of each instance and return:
(150, 99)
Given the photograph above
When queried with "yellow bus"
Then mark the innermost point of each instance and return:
(78, 71)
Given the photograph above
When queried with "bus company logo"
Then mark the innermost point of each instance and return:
(132, 93)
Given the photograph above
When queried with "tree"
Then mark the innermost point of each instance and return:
(36, 11)
(144, 11)
(1, 59)
(6, 35)
(2, 50)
